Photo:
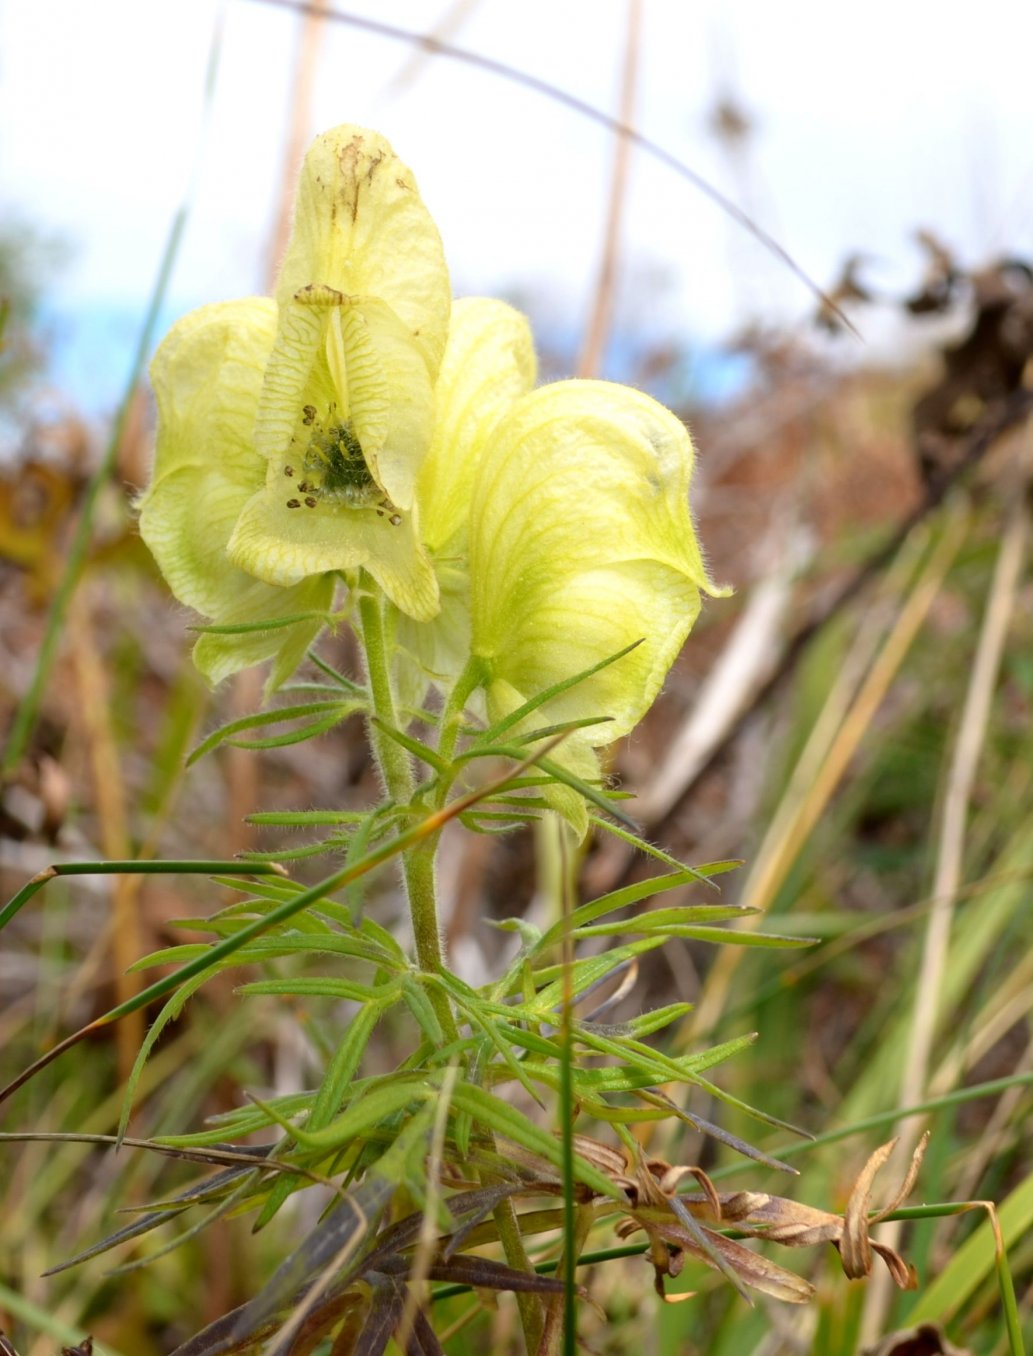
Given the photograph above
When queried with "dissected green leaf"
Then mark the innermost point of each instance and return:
(505, 1120)
(329, 710)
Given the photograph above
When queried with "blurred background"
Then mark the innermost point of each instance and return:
(855, 723)
(837, 135)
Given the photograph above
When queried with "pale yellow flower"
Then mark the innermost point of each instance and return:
(291, 433)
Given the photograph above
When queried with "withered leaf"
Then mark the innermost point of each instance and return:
(927, 1339)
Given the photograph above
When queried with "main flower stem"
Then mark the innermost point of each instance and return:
(391, 759)
(396, 771)
(418, 870)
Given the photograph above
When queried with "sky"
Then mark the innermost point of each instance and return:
(866, 127)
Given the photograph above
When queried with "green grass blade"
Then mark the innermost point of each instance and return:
(977, 1259)
(129, 868)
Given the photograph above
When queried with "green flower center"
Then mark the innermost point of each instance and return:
(334, 470)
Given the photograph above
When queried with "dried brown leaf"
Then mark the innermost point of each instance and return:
(928, 1339)
(855, 1246)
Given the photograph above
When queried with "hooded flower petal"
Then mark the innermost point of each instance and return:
(346, 409)
(364, 304)
(360, 226)
(580, 544)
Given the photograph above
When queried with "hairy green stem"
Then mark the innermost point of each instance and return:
(397, 772)
(472, 677)
(391, 759)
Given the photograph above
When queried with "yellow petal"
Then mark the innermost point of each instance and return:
(290, 374)
(581, 543)
(389, 394)
(207, 375)
(218, 656)
(186, 519)
(489, 362)
(284, 545)
(360, 226)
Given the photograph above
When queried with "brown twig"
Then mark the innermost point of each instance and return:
(598, 330)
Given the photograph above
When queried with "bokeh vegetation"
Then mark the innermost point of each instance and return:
(854, 726)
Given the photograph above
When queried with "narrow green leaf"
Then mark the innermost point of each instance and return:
(515, 717)
(267, 624)
(648, 1022)
(377, 1105)
(272, 717)
(342, 681)
(415, 998)
(322, 847)
(416, 747)
(633, 894)
(564, 727)
(676, 922)
(640, 844)
(128, 868)
(589, 970)
(324, 986)
(298, 736)
(170, 1011)
(291, 819)
(495, 1034)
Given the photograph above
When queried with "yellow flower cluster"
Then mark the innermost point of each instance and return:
(361, 420)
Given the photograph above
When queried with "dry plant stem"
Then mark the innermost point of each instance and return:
(28, 709)
(242, 767)
(747, 658)
(123, 939)
(602, 307)
(995, 1132)
(961, 776)
(397, 774)
(1008, 1007)
(809, 795)
(446, 28)
(297, 137)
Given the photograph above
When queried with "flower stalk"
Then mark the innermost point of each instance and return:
(396, 774)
